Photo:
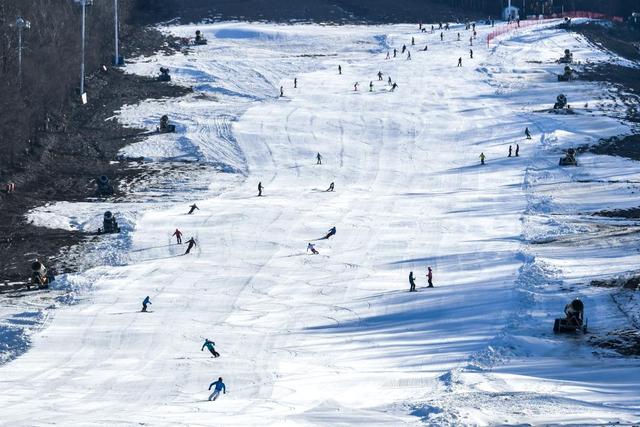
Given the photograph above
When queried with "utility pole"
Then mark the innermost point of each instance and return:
(83, 3)
(20, 25)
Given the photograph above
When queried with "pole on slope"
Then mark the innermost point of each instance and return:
(116, 59)
(20, 24)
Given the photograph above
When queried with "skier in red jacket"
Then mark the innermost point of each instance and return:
(178, 235)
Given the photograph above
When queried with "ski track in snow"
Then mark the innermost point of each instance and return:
(335, 339)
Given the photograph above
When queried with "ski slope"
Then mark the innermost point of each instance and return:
(335, 338)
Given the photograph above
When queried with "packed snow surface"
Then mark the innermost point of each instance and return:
(335, 338)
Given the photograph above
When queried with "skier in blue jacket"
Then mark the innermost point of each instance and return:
(210, 346)
(219, 387)
(147, 301)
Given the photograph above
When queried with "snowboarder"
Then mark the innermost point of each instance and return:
(482, 157)
(330, 187)
(340, 69)
(147, 301)
(389, 81)
(404, 48)
(355, 87)
(331, 232)
(371, 86)
(220, 387)
(408, 56)
(471, 53)
(413, 41)
(412, 282)
(211, 347)
(178, 235)
(295, 83)
(509, 151)
(193, 208)
(430, 277)
(379, 76)
(517, 150)
(394, 86)
(260, 189)
(191, 242)
(527, 133)
(312, 248)
(319, 157)
(395, 52)
(460, 62)
(281, 91)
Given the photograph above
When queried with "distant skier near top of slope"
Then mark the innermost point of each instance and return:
(527, 133)
(319, 158)
(178, 235)
(331, 232)
(147, 301)
(312, 248)
(441, 36)
(260, 187)
(430, 278)
(191, 242)
(510, 151)
(412, 282)
(387, 57)
(211, 347)
(219, 387)
(458, 36)
(413, 41)
(193, 208)
(482, 157)
(331, 187)
(517, 150)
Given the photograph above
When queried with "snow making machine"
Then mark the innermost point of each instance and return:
(165, 127)
(40, 276)
(574, 320)
(567, 76)
(199, 40)
(105, 188)
(109, 224)
(569, 159)
(164, 75)
(567, 58)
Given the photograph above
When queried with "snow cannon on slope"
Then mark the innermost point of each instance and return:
(199, 40)
(105, 188)
(165, 127)
(567, 75)
(567, 58)
(574, 320)
(164, 75)
(109, 224)
(569, 159)
(40, 276)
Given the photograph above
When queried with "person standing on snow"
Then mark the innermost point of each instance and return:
(458, 36)
(295, 83)
(395, 52)
(460, 62)
(193, 208)
(331, 232)
(527, 133)
(404, 48)
(413, 41)
(211, 347)
(281, 91)
(147, 301)
(312, 248)
(408, 56)
(389, 81)
(178, 235)
(430, 277)
(509, 152)
(319, 158)
(379, 76)
(220, 387)
(412, 282)
(330, 187)
(191, 242)
(471, 53)
(482, 157)
(387, 55)
(441, 36)
(371, 86)
(260, 187)
(340, 69)
(517, 150)
(355, 86)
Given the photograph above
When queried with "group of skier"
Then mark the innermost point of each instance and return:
(412, 280)
(527, 134)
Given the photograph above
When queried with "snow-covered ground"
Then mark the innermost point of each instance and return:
(335, 338)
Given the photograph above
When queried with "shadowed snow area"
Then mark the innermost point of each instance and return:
(335, 339)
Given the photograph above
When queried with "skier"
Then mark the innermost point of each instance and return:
(426, 47)
(404, 48)
(527, 133)
(178, 235)
(471, 53)
(482, 157)
(193, 208)
(281, 91)
(441, 36)
(379, 76)
(147, 301)
(458, 36)
(432, 29)
(394, 86)
(460, 62)
(430, 278)
(330, 187)
(211, 347)
(319, 157)
(331, 232)
(408, 56)
(395, 52)
(413, 41)
(191, 242)
(355, 87)
(295, 83)
(371, 86)
(260, 187)
(387, 55)
(412, 282)
(220, 387)
(312, 248)
(509, 152)
(389, 81)
(339, 69)
(470, 41)
(517, 150)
